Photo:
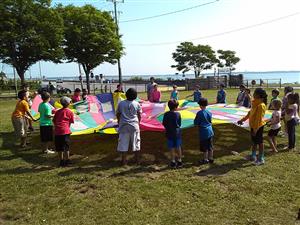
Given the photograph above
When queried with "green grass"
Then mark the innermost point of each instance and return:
(95, 190)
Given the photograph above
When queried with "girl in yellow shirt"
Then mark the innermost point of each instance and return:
(256, 123)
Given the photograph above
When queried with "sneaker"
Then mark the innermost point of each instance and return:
(251, 158)
(210, 161)
(179, 164)
(260, 162)
(49, 151)
(173, 165)
(204, 161)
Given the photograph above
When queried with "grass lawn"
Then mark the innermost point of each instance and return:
(95, 190)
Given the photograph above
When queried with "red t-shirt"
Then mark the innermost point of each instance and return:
(62, 121)
(76, 98)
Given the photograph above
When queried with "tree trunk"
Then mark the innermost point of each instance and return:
(21, 74)
(87, 76)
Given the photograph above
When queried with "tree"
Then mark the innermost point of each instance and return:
(90, 37)
(227, 59)
(30, 31)
(194, 57)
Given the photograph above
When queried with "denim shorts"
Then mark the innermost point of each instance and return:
(174, 143)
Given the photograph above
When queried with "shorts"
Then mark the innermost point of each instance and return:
(206, 145)
(127, 139)
(273, 133)
(258, 137)
(174, 143)
(20, 126)
(46, 133)
(62, 142)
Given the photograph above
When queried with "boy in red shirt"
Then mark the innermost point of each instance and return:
(62, 121)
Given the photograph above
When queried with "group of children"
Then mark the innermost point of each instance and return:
(129, 112)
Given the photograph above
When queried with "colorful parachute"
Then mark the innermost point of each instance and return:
(97, 114)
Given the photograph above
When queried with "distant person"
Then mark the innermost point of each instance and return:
(221, 95)
(84, 94)
(46, 125)
(172, 124)
(155, 94)
(150, 87)
(292, 118)
(256, 123)
(76, 97)
(274, 124)
(129, 116)
(241, 95)
(247, 98)
(204, 122)
(275, 94)
(287, 91)
(29, 100)
(196, 94)
(51, 88)
(174, 93)
(119, 89)
(102, 80)
(62, 120)
(19, 117)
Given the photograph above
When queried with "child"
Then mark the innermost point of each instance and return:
(174, 93)
(84, 94)
(203, 121)
(172, 123)
(29, 122)
(46, 126)
(256, 123)
(287, 91)
(221, 96)
(76, 96)
(241, 95)
(274, 122)
(129, 117)
(275, 94)
(155, 94)
(19, 117)
(62, 120)
(119, 89)
(247, 98)
(196, 94)
(292, 118)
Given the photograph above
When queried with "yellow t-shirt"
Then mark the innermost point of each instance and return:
(256, 114)
(21, 108)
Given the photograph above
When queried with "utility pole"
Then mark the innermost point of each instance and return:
(40, 69)
(117, 32)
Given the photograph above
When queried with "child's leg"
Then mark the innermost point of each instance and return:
(205, 155)
(261, 152)
(291, 133)
(172, 155)
(275, 143)
(179, 154)
(137, 157)
(23, 141)
(253, 153)
(124, 158)
(211, 154)
(67, 155)
(272, 145)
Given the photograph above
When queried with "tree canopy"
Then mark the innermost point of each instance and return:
(90, 37)
(194, 57)
(30, 31)
(228, 59)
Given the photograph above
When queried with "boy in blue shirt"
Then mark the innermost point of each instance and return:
(196, 94)
(203, 121)
(221, 96)
(172, 124)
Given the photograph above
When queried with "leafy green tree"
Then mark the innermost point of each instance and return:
(194, 57)
(90, 37)
(30, 31)
(227, 59)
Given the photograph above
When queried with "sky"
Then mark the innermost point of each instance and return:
(264, 34)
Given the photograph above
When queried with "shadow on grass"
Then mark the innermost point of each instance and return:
(93, 153)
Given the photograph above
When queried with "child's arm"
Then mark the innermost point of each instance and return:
(179, 120)
(118, 115)
(139, 116)
(241, 121)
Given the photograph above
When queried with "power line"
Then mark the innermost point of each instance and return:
(169, 13)
(222, 33)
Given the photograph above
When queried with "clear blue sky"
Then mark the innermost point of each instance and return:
(273, 46)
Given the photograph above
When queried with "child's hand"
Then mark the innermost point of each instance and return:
(240, 122)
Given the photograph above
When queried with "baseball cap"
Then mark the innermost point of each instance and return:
(65, 100)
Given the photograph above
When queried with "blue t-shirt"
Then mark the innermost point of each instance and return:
(221, 97)
(197, 96)
(174, 95)
(203, 120)
(172, 124)
(247, 102)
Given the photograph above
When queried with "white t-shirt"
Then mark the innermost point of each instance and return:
(276, 115)
(293, 114)
(129, 121)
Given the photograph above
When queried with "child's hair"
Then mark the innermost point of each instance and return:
(262, 94)
(294, 98)
(84, 90)
(151, 78)
(288, 89)
(119, 85)
(174, 86)
(222, 85)
(248, 90)
(22, 94)
(131, 94)
(197, 86)
(45, 95)
(276, 104)
(275, 91)
(242, 86)
(77, 90)
(25, 86)
(173, 104)
(203, 102)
